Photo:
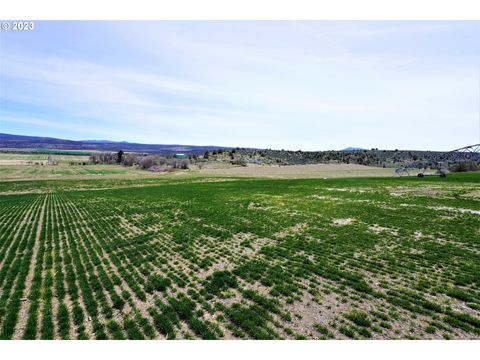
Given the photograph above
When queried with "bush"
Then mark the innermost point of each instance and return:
(465, 166)
(239, 162)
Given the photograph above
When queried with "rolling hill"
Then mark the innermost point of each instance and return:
(37, 142)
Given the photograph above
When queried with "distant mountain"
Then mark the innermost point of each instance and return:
(37, 142)
(101, 141)
(352, 149)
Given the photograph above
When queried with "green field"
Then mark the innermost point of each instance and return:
(61, 157)
(223, 258)
(65, 171)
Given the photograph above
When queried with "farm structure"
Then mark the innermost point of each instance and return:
(442, 161)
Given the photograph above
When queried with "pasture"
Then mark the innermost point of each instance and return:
(297, 171)
(178, 257)
(61, 157)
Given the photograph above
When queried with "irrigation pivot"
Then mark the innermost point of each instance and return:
(441, 162)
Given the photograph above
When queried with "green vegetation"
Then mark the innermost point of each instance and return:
(213, 258)
(359, 318)
(371, 157)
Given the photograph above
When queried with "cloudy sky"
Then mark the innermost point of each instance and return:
(271, 84)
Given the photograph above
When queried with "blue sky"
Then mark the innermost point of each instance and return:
(268, 84)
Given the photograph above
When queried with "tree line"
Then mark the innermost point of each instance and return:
(154, 162)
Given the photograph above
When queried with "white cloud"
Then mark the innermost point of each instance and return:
(294, 85)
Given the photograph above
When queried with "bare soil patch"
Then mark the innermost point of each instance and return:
(342, 222)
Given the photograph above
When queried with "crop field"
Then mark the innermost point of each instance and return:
(226, 258)
(11, 169)
(297, 171)
(64, 171)
(20, 158)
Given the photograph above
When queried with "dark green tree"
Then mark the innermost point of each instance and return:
(120, 156)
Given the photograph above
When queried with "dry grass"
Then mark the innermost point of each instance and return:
(298, 171)
(19, 170)
(17, 162)
(16, 171)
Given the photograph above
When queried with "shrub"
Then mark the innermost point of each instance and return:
(465, 166)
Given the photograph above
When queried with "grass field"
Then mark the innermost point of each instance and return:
(298, 171)
(65, 171)
(13, 169)
(221, 258)
(20, 158)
